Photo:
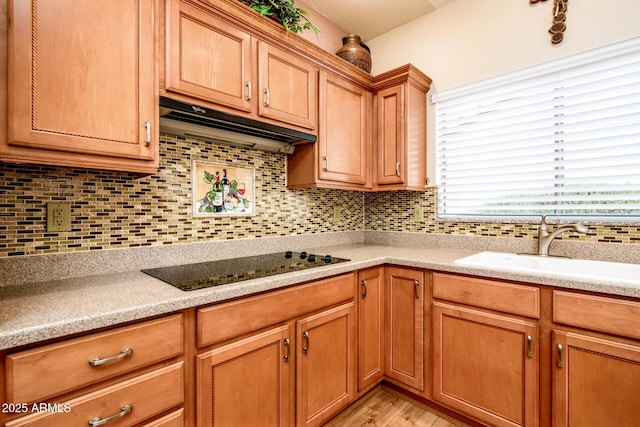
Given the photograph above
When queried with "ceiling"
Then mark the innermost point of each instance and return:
(370, 18)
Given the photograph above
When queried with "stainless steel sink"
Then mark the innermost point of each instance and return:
(562, 267)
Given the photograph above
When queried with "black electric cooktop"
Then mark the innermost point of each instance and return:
(189, 277)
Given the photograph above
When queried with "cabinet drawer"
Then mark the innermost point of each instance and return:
(609, 315)
(174, 419)
(232, 319)
(485, 293)
(57, 368)
(147, 395)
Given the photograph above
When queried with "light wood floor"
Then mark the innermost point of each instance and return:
(383, 407)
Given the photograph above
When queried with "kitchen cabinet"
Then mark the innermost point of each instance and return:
(485, 363)
(326, 364)
(247, 382)
(400, 144)
(82, 84)
(100, 375)
(212, 62)
(370, 300)
(596, 375)
(404, 326)
(300, 349)
(341, 157)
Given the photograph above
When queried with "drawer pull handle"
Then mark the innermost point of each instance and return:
(529, 346)
(364, 289)
(417, 283)
(560, 355)
(397, 168)
(305, 335)
(97, 421)
(124, 353)
(287, 344)
(326, 164)
(248, 84)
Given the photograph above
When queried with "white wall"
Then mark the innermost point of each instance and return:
(470, 40)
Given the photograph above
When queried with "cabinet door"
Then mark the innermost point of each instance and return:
(288, 87)
(246, 383)
(83, 84)
(485, 366)
(391, 139)
(595, 381)
(207, 58)
(370, 327)
(404, 334)
(325, 364)
(343, 134)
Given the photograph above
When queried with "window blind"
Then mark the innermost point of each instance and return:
(561, 138)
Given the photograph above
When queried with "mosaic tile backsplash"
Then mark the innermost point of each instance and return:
(117, 209)
(394, 211)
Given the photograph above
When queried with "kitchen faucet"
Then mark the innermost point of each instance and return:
(545, 238)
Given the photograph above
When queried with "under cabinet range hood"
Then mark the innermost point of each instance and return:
(190, 120)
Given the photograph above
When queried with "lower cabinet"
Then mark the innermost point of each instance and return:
(370, 301)
(293, 361)
(404, 326)
(247, 382)
(325, 350)
(485, 365)
(595, 381)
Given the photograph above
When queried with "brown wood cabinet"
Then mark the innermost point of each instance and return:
(299, 340)
(404, 326)
(596, 375)
(485, 364)
(211, 61)
(341, 157)
(370, 327)
(82, 84)
(325, 380)
(247, 382)
(98, 376)
(400, 144)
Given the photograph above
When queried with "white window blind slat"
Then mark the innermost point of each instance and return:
(561, 138)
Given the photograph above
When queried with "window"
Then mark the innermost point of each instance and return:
(561, 138)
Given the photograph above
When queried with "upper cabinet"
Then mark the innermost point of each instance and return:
(211, 61)
(207, 58)
(400, 145)
(82, 84)
(341, 157)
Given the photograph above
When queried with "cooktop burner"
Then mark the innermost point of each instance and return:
(189, 277)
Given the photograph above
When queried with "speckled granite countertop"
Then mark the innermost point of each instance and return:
(34, 312)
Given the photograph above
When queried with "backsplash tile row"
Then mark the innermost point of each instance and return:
(394, 211)
(117, 209)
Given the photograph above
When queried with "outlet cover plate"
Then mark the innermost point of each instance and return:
(58, 216)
